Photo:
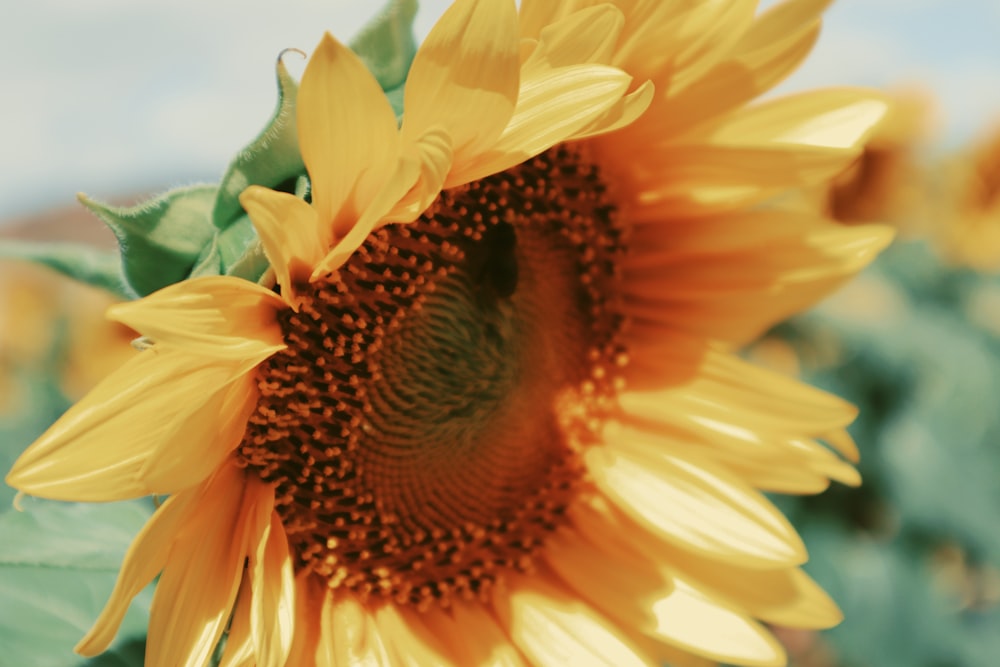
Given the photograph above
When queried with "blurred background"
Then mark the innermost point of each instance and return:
(112, 97)
(119, 99)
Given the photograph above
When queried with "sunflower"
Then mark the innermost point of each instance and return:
(486, 410)
(968, 214)
(37, 306)
(887, 183)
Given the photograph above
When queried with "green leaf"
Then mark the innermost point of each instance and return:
(58, 564)
(272, 159)
(387, 46)
(160, 240)
(86, 264)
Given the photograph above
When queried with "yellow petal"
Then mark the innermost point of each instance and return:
(96, 450)
(347, 134)
(271, 615)
(552, 106)
(700, 179)
(472, 635)
(835, 118)
(309, 621)
(731, 84)
(383, 205)
(239, 651)
(553, 627)
(195, 593)
(842, 442)
(586, 36)
(724, 595)
(627, 587)
(734, 296)
(729, 390)
(465, 76)
(293, 238)
(694, 505)
(400, 629)
(695, 621)
(787, 597)
(773, 47)
(675, 45)
(432, 152)
(219, 316)
(145, 558)
(782, 22)
(202, 440)
(535, 15)
(624, 112)
(349, 635)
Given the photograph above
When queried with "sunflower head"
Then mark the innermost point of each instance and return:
(483, 407)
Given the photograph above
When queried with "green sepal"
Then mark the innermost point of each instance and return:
(160, 240)
(234, 241)
(83, 263)
(387, 46)
(209, 262)
(395, 97)
(271, 160)
(251, 265)
(238, 249)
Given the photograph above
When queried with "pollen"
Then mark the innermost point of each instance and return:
(423, 428)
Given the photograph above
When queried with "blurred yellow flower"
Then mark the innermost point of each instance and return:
(35, 305)
(968, 217)
(888, 183)
(489, 412)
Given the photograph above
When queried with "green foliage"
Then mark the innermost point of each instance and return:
(160, 239)
(100, 268)
(58, 563)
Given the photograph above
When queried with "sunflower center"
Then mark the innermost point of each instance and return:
(423, 428)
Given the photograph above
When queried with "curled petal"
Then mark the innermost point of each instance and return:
(465, 76)
(218, 316)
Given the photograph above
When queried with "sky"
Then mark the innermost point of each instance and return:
(116, 97)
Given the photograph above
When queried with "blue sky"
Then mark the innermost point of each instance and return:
(115, 97)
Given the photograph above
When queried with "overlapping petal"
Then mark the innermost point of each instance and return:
(551, 626)
(551, 107)
(465, 76)
(219, 316)
(145, 558)
(96, 451)
(347, 133)
(203, 570)
(272, 622)
(695, 505)
(291, 233)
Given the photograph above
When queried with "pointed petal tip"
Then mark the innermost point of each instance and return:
(861, 243)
